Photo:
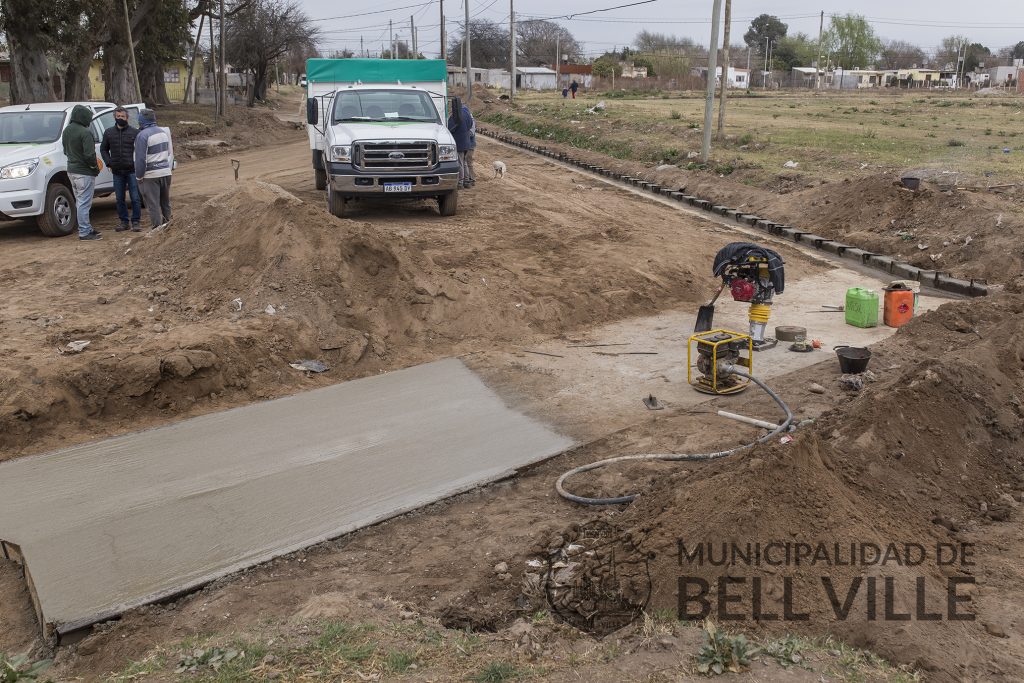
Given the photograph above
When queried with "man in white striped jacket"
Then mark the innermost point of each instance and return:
(154, 159)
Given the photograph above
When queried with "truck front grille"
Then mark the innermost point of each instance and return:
(395, 155)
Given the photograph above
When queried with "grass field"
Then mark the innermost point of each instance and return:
(829, 134)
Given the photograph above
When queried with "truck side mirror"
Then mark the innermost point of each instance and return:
(312, 111)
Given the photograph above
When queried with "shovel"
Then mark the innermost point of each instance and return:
(706, 313)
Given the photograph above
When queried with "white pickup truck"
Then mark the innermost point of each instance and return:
(33, 169)
(378, 128)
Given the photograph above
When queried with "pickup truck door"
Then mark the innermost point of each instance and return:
(100, 123)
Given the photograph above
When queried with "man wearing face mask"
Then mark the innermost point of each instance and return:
(118, 152)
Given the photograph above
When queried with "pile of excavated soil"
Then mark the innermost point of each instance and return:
(924, 455)
(209, 313)
(969, 233)
(196, 135)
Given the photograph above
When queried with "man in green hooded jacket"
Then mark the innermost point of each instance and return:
(80, 150)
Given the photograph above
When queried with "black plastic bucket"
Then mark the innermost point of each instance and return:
(853, 360)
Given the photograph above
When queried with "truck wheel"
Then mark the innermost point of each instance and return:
(321, 179)
(335, 203)
(448, 203)
(59, 217)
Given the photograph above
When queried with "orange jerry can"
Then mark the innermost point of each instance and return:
(898, 308)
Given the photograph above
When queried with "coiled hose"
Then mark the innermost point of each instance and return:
(729, 369)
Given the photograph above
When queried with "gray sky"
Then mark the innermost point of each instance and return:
(995, 23)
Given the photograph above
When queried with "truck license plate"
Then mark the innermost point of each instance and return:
(398, 187)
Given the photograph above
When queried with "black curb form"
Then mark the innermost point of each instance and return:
(931, 278)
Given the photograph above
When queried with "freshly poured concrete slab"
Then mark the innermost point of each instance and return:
(106, 526)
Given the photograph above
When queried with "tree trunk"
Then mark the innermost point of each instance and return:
(77, 84)
(259, 84)
(117, 72)
(30, 72)
(154, 90)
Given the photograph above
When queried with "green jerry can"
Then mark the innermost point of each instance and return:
(861, 307)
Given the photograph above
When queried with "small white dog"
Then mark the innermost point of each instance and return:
(499, 169)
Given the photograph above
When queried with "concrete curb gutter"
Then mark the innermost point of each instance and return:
(904, 271)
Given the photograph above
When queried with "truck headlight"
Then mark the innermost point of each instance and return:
(341, 153)
(447, 153)
(22, 169)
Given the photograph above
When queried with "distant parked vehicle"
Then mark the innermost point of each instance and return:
(34, 178)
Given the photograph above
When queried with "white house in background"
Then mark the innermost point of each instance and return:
(536, 78)
(1001, 75)
(854, 79)
(632, 71)
(737, 78)
(494, 78)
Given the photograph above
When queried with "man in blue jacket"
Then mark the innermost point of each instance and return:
(461, 125)
(154, 159)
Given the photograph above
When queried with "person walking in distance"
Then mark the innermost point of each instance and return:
(460, 123)
(118, 152)
(80, 150)
(154, 159)
(574, 86)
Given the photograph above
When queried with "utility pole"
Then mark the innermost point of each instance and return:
(766, 41)
(131, 51)
(214, 78)
(362, 51)
(391, 39)
(412, 36)
(223, 68)
(512, 52)
(725, 69)
(469, 57)
(558, 62)
(709, 100)
(818, 73)
(444, 49)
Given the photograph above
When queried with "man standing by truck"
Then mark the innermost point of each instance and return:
(460, 125)
(80, 150)
(154, 157)
(118, 151)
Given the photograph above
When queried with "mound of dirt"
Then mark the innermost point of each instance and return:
(211, 312)
(887, 469)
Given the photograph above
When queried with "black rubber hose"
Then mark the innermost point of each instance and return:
(731, 369)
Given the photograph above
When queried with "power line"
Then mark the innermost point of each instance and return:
(381, 11)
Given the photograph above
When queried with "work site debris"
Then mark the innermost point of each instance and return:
(77, 346)
(309, 366)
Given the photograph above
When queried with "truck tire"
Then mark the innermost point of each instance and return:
(335, 203)
(448, 203)
(59, 217)
(321, 178)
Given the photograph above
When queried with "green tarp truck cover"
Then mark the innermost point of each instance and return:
(375, 70)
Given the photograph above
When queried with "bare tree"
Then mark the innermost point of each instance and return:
(536, 43)
(262, 32)
(899, 54)
(489, 42)
(646, 41)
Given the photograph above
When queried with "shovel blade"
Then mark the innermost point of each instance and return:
(705, 318)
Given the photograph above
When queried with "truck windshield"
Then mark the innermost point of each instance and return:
(384, 105)
(27, 127)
